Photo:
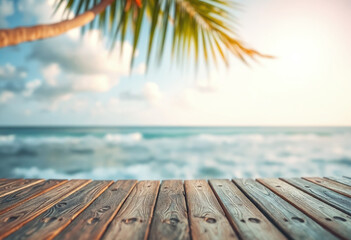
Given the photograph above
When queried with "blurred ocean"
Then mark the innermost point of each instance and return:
(174, 152)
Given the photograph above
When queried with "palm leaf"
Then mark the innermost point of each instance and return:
(200, 28)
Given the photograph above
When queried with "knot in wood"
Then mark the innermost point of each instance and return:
(60, 205)
(340, 218)
(130, 220)
(254, 220)
(49, 219)
(11, 219)
(172, 221)
(104, 209)
(210, 220)
(298, 219)
(93, 220)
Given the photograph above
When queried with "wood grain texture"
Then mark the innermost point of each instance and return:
(5, 181)
(342, 180)
(134, 218)
(206, 216)
(332, 185)
(48, 224)
(14, 199)
(14, 219)
(244, 216)
(336, 221)
(170, 219)
(290, 220)
(93, 221)
(17, 185)
(328, 196)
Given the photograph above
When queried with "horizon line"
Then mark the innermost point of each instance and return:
(165, 126)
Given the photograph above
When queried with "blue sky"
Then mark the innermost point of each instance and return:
(73, 80)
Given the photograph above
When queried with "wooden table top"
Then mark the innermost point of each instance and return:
(284, 208)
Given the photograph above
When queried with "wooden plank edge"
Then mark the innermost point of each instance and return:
(33, 196)
(328, 187)
(332, 204)
(35, 181)
(43, 209)
(263, 211)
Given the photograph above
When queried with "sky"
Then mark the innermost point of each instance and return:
(74, 80)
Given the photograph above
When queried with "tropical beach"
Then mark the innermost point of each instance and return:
(175, 119)
(174, 152)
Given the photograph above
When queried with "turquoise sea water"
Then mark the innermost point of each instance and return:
(174, 152)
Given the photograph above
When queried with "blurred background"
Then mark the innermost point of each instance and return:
(71, 109)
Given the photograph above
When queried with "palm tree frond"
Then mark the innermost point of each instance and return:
(200, 28)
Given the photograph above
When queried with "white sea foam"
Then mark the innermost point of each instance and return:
(6, 139)
(132, 155)
(135, 172)
(130, 138)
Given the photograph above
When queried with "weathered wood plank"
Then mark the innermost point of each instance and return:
(170, 219)
(14, 199)
(207, 218)
(342, 180)
(328, 196)
(5, 181)
(336, 221)
(17, 185)
(17, 217)
(244, 216)
(93, 221)
(290, 220)
(332, 185)
(134, 218)
(48, 224)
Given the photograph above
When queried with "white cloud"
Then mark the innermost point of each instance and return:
(80, 65)
(5, 96)
(140, 70)
(50, 73)
(7, 8)
(30, 87)
(13, 81)
(71, 64)
(95, 83)
(152, 92)
(105, 108)
(42, 10)
(10, 72)
(86, 55)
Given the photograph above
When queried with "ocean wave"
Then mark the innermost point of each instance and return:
(135, 172)
(137, 137)
(199, 168)
(7, 139)
(39, 140)
(132, 155)
(117, 138)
